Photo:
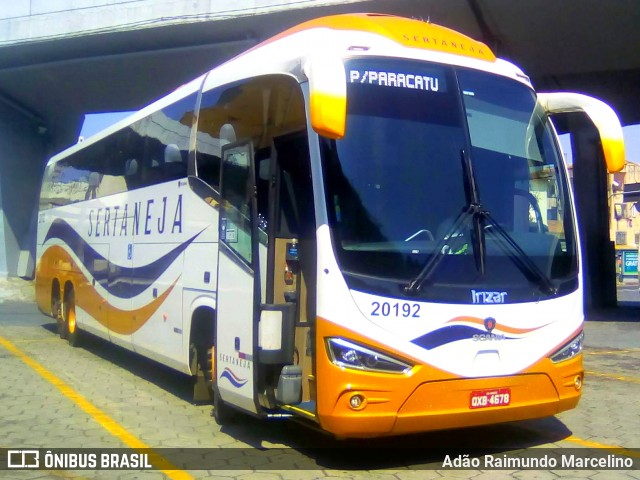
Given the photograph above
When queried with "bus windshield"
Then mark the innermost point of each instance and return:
(448, 181)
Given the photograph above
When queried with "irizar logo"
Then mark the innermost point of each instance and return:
(480, 296)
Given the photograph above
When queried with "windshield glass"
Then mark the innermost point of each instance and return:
(398, 186)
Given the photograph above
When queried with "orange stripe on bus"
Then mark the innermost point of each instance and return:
(57, 262)
(499, 326)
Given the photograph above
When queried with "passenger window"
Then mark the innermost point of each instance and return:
(166, 142)
(296, 217)
(236, 218)
(258, 109)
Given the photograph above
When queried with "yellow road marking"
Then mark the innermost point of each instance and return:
(37, 340)
(98, 415)
(612, 376)
(612, 352)
(614, 448)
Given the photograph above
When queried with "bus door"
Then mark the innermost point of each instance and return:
(254, 336)
(286, 342)
(238, 296)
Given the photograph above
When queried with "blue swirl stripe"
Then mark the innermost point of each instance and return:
(449, 334)
(233, 378)
(119, 281)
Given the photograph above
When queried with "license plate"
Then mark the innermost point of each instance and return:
(497, 397)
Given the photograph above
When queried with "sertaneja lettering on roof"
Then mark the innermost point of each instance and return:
(405, 31)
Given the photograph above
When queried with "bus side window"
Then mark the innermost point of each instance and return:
(86, 168)
(296, 216)
(166, 142)
(263, 181)
(209, 169)
(131, 173)
(211, 118)
(174, 162)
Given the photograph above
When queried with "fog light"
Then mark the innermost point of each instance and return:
(356, 402)
(577, 382)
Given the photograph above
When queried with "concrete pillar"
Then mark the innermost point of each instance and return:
(22, 158)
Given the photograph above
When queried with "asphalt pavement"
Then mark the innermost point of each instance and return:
(100, 396)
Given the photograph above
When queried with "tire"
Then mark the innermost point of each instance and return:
(202, 386)
(205, 363)
(222, 413)
(56, 311)
(73, 334)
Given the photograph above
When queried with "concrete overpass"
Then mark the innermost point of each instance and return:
(61, 59)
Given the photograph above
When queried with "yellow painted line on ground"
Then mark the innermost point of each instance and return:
(614, 448)
(612, 352)
(37, 340)
(98, 415)
(611, 376)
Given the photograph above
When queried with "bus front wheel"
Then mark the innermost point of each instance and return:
(222, 413)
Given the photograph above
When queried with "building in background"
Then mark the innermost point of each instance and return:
(624, 220)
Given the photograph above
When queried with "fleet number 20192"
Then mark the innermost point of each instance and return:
(397, 309)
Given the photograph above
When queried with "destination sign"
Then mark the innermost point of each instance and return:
(384, 78)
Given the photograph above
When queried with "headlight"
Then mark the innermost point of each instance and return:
(349, 355)
(570, 350)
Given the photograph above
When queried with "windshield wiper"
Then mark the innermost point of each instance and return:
(481, 218)
(520, 258)
(473, 211)
(478, 212)
(438, 253)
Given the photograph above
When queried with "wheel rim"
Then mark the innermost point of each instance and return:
(71, 319)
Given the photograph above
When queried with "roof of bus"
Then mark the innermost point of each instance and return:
(405, 31)
(359, 34)
(273, 54)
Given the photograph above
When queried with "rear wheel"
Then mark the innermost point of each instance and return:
(70, 324)
(56, 310)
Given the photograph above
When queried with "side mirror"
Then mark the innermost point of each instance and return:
(601, 114)
(327, 96)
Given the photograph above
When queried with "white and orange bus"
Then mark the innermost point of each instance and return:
(364, 223)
